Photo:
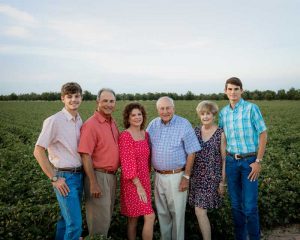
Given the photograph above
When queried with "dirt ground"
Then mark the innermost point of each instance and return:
(283, 233)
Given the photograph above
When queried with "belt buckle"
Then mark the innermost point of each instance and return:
(237, 156)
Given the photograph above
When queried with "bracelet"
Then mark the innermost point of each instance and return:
(223, 185)
(135, 181)
(186, 177)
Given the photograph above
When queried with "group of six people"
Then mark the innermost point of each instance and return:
(190, 165)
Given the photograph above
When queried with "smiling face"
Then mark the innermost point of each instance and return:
(166, 109)
(135, 118)
(106, 104)
(206, 117)
(233, 92)
(72, 101)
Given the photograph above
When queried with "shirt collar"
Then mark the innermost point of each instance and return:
(69, 116)
(240, 102)
(102, 119)
(171, 122)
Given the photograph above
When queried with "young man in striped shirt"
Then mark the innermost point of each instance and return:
(63, 166)
(246, 137)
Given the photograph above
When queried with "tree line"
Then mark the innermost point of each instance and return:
(291, 94)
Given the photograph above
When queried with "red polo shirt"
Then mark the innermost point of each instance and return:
(99, 139)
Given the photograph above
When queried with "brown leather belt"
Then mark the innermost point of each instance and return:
(73, 170)
(237, 156)
(170, 171)
(105, 171)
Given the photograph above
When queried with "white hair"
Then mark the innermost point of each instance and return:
(165, 98)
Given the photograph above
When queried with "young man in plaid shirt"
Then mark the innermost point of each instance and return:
(246, 137)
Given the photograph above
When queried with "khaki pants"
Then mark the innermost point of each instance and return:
(170, 205)
(99, 210)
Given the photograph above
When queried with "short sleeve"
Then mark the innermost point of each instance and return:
(257, 119)
(127, 156)
(221, 120)
(88, 139)
(191, 143)
(47, 134)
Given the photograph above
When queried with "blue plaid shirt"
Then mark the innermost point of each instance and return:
(171, 142)
(242, 126)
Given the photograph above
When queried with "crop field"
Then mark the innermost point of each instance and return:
(28, 207)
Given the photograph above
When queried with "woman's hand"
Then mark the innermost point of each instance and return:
(140, 190)
(142, 194)
(221, 189)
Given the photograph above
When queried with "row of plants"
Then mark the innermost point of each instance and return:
(29, 210)
(291, 94)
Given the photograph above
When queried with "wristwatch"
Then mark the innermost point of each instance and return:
(258, 160)
(54, 178)
(186, 177)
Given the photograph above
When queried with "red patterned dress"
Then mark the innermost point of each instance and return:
(135, 162)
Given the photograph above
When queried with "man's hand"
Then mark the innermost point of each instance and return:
(184, 185)
(95, 190)
(61, 186)
(254, 174)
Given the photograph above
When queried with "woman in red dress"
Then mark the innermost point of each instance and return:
(135, 175)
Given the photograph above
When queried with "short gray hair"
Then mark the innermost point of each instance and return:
(105, 90)
(207, 106)
(167, 98)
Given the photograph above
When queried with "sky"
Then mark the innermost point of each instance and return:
(135, 46)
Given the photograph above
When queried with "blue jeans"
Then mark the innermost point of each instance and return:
(69, 226)
(243, 196)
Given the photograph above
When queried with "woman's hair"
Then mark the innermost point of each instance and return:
(70, 88)
(128, 109)
(207, 106)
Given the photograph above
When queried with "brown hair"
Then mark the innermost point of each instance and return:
(207, 106)
(70, 88)
(128, 109)
(234, 81)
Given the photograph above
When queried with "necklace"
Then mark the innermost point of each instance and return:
(137, 135)
(207, 133)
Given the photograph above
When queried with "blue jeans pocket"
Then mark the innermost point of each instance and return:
(250, 160)
(230, 160)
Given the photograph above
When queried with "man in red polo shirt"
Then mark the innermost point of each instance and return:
(98, 147)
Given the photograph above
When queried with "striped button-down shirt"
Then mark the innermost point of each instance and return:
(242, 126)
(171, 142)
(60, 136)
